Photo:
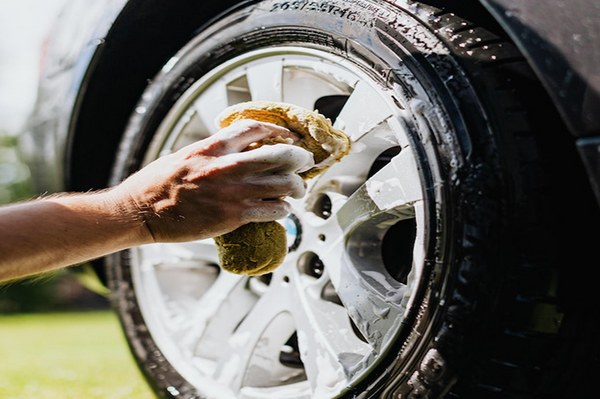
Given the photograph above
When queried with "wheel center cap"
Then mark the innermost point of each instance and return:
(294, 231)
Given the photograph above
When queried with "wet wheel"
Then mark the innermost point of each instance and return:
(400, 276)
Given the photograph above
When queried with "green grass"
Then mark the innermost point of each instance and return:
(67, 356)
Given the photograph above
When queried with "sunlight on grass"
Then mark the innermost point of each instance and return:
(67, 356)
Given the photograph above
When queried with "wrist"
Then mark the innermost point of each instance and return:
(129, 214)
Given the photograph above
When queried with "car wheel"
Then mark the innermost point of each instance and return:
(417, 266)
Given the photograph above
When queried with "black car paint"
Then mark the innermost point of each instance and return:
(561, 41)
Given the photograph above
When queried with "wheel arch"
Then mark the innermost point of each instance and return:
(144, 36)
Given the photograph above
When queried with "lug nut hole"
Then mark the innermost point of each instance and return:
(322, 206)
(311, 265)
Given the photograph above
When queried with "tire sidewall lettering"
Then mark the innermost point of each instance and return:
(331, 8)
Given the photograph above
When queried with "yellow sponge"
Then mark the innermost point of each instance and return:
(259, 248)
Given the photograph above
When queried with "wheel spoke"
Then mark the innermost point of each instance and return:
(190, 130)
(374, 302)
(216, 314)
(250, 354)
(176, 254)
(351, 171)
(397, 184)
(329, 348)
(363, 111)
(265, 81)
(392, 190)
(176, 276)
(303, 87)
(211, 103)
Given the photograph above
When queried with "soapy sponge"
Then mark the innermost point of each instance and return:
(259, 248)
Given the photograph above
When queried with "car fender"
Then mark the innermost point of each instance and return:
(560, 41)
(69, 51)
(90, 88)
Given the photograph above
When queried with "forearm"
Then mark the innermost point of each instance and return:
(205, 189)
(52, 233)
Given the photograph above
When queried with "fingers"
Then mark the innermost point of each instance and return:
(266, 211)
(275, 186)
(217, 173)
(238, 136)
(278, 158)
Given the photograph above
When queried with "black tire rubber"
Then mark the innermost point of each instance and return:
(507, 323)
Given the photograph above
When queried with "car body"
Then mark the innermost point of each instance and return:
(82, 46)
(456, 228)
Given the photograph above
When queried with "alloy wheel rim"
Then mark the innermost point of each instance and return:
(331, 312)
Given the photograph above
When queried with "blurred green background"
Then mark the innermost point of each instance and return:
(57, 338)
(72, 355)
(54, 292)
(24, 26)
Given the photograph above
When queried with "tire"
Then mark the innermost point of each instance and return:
(424, 265)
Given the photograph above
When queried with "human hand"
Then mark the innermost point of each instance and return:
(213, 186)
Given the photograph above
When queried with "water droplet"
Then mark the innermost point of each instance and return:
(381, 313)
